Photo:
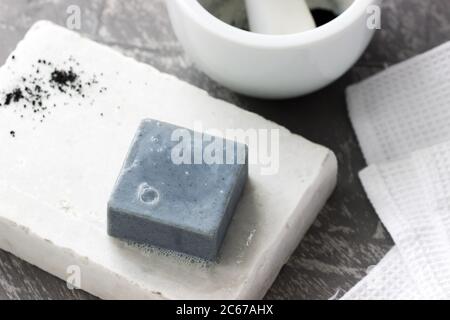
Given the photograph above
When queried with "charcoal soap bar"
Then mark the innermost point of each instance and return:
(178, 189)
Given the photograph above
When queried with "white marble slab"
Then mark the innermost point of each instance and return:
(57, 175)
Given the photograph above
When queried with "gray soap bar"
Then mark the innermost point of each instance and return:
(176, 191)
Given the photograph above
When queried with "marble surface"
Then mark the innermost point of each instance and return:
(348, 237)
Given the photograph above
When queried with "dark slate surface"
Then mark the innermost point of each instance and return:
(347, 238)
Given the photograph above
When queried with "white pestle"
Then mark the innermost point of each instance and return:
(279, 16)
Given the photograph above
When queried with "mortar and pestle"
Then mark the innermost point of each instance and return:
(284, 54)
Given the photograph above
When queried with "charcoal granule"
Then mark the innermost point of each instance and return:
(34, 89)
(63, 77)
(15, 96)
(322, 16)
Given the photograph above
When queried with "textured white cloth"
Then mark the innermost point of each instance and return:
(409, 196)
(387, 280)
(402, 119)
(404, 108)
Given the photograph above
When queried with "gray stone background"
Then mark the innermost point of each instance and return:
(348, 237)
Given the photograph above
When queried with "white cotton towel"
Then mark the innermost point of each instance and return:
(402, 193)
(404, 108)
(386, 281)
(402, 120)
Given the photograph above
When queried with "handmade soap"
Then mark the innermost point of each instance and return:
(177, 189)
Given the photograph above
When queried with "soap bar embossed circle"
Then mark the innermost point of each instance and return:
(148, 194)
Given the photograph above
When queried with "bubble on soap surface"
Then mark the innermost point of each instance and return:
(135, 164)
(176, 257)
